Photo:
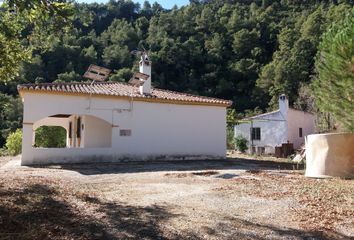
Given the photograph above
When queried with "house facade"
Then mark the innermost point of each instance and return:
(111, 121)
(285, 125)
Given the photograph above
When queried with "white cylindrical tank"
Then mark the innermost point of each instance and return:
(330, 155)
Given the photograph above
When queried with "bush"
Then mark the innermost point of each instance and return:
(230, 141)
(4, 152)
(14, 142)
(50, 137)
(241, 143)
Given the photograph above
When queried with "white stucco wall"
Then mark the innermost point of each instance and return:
(278, 128)
(62, 122)
(299, 119)
(159, 130)
(273, 131)
(96, 133)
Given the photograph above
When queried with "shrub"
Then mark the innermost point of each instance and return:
(4, 152)
(14, 142)
(241, 143)
(50, 137)
(230, 141)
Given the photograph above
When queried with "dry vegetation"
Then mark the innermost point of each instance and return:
(324, 203)
(235, 199)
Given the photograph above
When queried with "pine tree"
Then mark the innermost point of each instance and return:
(334, 84)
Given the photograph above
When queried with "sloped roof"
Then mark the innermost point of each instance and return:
(117, 89)
(261, 116)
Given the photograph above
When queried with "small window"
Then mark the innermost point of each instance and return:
(125, 132)
(300, 132)
(256, 134)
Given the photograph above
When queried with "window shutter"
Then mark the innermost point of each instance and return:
(70, 129)
(78, 128)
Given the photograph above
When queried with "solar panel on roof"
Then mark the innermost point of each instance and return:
(97, 73)
(141, 75)
(136, 82)
(138, 79)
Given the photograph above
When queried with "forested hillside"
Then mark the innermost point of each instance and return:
(248, 51)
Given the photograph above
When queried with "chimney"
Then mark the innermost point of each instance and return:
(283, 105)
(145, 67)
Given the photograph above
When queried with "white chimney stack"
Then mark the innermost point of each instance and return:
(145, 67)
(283, 105)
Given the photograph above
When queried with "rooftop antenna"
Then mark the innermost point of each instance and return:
(139, 78)
(140, 53)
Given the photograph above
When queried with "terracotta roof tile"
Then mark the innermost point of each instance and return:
(121, 90)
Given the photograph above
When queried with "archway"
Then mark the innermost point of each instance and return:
(81, 131)
(50, 137)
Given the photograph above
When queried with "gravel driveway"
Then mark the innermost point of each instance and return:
(229, 199)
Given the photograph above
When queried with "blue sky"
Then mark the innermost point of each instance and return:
(164, 3)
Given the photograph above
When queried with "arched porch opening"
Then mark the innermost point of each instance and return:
(78, 131)
(50, 137)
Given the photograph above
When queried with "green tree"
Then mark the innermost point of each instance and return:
(122, 75)
(334, 84)
(244, 41)
(11, 50)
(231, 121)
(10, 116)
(14, 142)
(69, 77)
(24, 19)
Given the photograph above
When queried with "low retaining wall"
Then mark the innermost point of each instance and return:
(43, 156)
(330, 155)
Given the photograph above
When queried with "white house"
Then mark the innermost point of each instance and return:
(271, 129)
(111, 121)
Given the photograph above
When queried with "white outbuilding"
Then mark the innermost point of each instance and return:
(286, 125)
(113, 121)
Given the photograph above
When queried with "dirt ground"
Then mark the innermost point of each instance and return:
(4, 160)
(237, 198)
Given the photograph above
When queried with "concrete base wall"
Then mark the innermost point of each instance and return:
(72, 156)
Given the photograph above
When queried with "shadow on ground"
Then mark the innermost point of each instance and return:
(42, 211)
(189, 165)
(236, 228)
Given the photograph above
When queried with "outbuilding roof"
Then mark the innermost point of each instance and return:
(117, 89)
(260, 116)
